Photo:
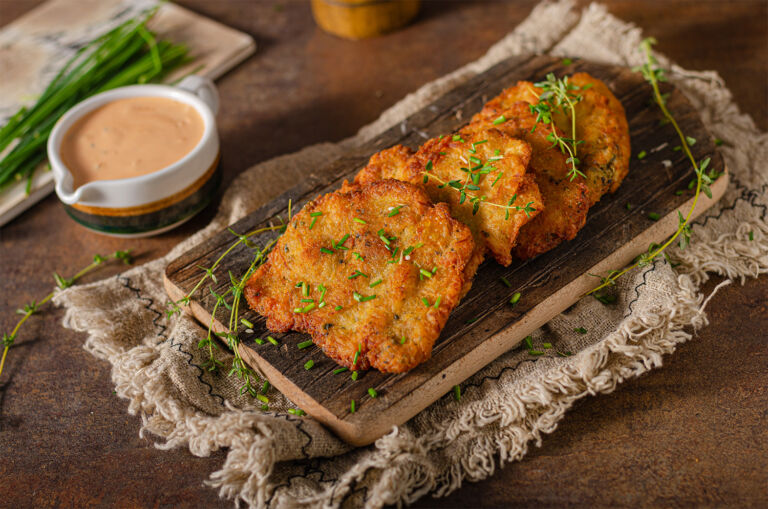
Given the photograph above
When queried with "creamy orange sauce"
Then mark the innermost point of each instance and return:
(130, 137)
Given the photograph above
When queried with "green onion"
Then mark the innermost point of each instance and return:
(357, 356)
(751, 235)
(506, 282)
(356, 274)
(352, 407)
(425, 301)
(457, 392)
(309, 364)
(395, 211)
(567, 61)
(339, 370)
(375, 283)
(358, 220)
(437, 302)
(264, 408)
(307, 300)
(654, 216)
(629, 206)
(535, 352)
(580, 330)
(338, 308)
(272, 340)
(246, 323)
(360, 298)
(425, 273)
(679, 192)
(312, 224)
(358, 255)
(566, 354)
(547, 346)
(258, 341)
(265, 387)
(500, 120)
(325, 250)
(372, 392)
(308, 307)
(354, 375)
(456, 137)
(316, 214)
(402, 340)
(718, 142)
(305, 289)
(262, 398)
(515, 298)
(305, 344)
(321, 305)
(296, 411)
(642, 154)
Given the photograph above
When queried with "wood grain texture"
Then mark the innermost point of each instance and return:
(689, 434)
(484, 325)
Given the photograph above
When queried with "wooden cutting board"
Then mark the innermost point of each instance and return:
(484, 325)
(34, 47)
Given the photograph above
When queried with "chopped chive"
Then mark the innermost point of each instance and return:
(500, 120)
(425, 273)
(357, 356)
(258, 341)
(357, 255)
(580, 330)
(307, 300)
(325, 250)
(629, 206)
(312, 224)
(654, 216)
(677, 148)
(718, 142)
(567, 61)
(642, 154)
(547, 346)
(457, 392)
(309, 364)
(358, 220)
(679, 192)
(535, 352)
(375, 283)
(273, 341)
(354, 375)
(265, 387)
(369, 297)
(338, 308)
(316, 214)
(425, 301)
(564, 354)
(305, 344)
(456, 137)
(528, 342)
(506, 282)
(515, 298)
(296, 411)
(262, 398)
(437, 302)
(321, 305)
(246, 323)
(395, 211)
(264, 408)
(402, 340)
(352, 407)
(356, 274)
(340, 243)
(339, 370)
(305, 289)
(372, 392)
(751, 235)
(298, 285)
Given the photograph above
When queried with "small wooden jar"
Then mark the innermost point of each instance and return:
(358, 19)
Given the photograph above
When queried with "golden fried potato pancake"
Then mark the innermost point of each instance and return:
(601, 124)
(371, 273)
(478, 172)
(566, 201)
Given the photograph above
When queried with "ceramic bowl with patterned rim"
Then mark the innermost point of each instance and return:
(156, 202)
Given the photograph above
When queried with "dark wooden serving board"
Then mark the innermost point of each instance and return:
(550, 283)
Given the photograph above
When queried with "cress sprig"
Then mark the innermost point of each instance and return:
(558, 97)
(239, 368)
(61, 283)
(654, 74)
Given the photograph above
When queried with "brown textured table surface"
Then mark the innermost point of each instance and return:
(691, 433)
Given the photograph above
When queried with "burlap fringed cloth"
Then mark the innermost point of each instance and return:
(277, 459)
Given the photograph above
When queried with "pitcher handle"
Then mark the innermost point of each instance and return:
(203, 88)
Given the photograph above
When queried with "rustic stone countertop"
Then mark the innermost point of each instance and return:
(691, 433)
